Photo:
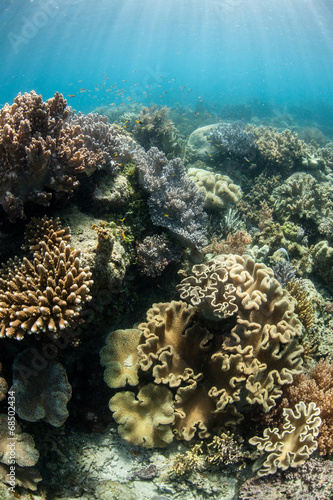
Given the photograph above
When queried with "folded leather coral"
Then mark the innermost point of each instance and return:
(233, 346)
(25, 455)
(293, 445)
(45, 293)
(42, 393)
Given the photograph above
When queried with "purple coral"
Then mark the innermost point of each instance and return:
(232, 138)
(174, 201)
(154, 253)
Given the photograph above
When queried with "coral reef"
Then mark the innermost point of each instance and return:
(215, 376)
(317, 386)
(153, 128)
(46, 293)
(18, 454)
(154, 253)
(120, 358)
(293, 445)
(322, 254)
(40, 153)
(312, 480)
(302, 197)
(304, 308)
(43, 393)
(235, 244)
(284, 272)
(219, 190)
(279, 151)
(144, 420)
(232, 139)
(174, 201)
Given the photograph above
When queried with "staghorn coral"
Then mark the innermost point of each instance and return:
(219, 190)
(284, 272)
(120, 358)
(174, 201)
(40, 153)
(144, 420)
(302, 197)
(154, 253)
(187, 462)
(46, 293)
(293, 445)
(40, 394)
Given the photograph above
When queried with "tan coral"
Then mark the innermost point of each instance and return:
(45, 294)
(219, 190)
(25, 453)
(263, 340)
(293, 445)
(120, 357)
(27, 477)
(144, 420)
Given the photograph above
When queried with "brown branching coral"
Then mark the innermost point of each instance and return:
(293, 445)
(39, 152)
(234, 243)
(46, 293)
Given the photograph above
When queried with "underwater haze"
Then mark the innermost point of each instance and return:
(225, 52)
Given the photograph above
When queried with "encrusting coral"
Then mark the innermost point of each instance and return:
(217, 374)
(46, 293)
(40, 153)
(293, 445)
(40, 394)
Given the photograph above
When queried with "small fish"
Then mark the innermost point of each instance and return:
(71, 95)
(166, 215)
(138, 121)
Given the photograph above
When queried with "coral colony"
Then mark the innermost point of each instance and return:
(195, 271)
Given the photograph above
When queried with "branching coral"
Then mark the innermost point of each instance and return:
(293, 445)
(40, 394)
(304, 308)
(174, 201)
(46, 293)
(235, 243)
(219, 190)
(232, 139)
(154, 253)
(154, 128)
(302, 197)
(40, 153)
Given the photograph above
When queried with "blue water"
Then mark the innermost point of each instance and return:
(222, 52)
